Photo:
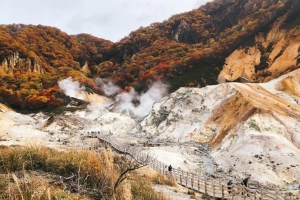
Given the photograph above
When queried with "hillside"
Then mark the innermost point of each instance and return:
(246, 128)
(270, 55)
(34, 58)
(188, 49)
(228, 131)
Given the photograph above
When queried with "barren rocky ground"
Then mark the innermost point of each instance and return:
(227, 131)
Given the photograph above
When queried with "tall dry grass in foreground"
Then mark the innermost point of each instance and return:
(36, 172)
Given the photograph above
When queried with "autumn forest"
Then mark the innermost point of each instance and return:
(187, 49)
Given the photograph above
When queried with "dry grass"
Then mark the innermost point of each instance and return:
(82, 171)
(156, 177)
(41, 173)
(143, 189)
(32, 185)
(163, 180)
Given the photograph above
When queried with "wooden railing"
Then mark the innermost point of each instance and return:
(202, 184)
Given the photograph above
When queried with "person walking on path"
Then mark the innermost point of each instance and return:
(170, 169)
(229, 183)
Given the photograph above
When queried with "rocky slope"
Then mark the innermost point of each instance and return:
(271, 55)
(251, 129)
(14, 63)
(231, 129)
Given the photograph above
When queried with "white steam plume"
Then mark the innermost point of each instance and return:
(124, 100)
(110, 88)
(72, 88)
(147, 99)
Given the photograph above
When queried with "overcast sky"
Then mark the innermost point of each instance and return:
(108, 19)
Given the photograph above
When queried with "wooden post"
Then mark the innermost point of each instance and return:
(244, 192)
(213, 189)
(198, 185)
(152, 163)
(186, 178)
(174, 173)
(159, 167)
(180, 179)
(192, 180)
(222, 191)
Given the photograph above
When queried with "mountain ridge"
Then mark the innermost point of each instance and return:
(188, 49)
(248, 124)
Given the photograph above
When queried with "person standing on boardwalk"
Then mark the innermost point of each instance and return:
(229, 183)
(245, 181)
(170, 169)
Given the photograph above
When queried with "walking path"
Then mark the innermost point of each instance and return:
(202, 184)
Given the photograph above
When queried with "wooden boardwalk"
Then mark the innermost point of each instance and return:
(205, 185)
